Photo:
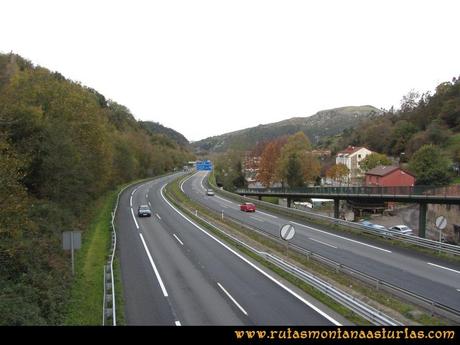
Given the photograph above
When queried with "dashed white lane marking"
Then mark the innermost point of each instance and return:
(218, 197)
(177, 323)
(157, 274)
(326, 244)
(343, 238)
(268, 276)
(131, 201)
(270, 215)
(258, 219)
(232, 299)
(158, 216)
(150, 204)
(135, 221)
(444, 268)
(178, 240)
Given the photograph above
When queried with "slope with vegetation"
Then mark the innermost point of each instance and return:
(62, 146)
(323, 124)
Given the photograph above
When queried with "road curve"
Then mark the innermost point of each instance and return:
(424, 275)
(174, 273)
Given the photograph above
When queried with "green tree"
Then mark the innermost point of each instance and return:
(294, 172)
(373, 160)
(430, 166)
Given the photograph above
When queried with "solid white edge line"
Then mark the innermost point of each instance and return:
(178, 240)
(188, 178)
(160, 281)
(267, 214)
(344, 238)
(177, 323)
(135, 221)
(326, 244)
(232, 299)
(444, 268)
(303, 300)
(230, 202)
(131, 201)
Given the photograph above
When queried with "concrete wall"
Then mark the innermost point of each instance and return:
(452, 213)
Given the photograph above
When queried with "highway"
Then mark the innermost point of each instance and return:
(175, 273)
(421, 274)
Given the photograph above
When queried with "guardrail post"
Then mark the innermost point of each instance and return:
(422, 219)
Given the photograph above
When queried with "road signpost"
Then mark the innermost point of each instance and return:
(287, 233)
(71, 240)
(441, 223)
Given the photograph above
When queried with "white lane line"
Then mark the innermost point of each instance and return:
(284, 287)
(131, 201)
(458, 290)
(182, 184)
(223, 206)
(150, 204)
(270, 215)
(158, 216)
(178, 240)
(147, 196)
(160, 281)
(224, 199)
(134, 191)
(258, 219)
(326, 244)
(135, 221)
(343, 238)
(232, 299)
(445, 268)
(177, 323)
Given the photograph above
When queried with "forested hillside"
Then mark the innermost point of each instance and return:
(423, 119)
(322, 124)
(156, 128)
(62, 145)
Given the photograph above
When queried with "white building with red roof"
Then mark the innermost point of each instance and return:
(351, 157)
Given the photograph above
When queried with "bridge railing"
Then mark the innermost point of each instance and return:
(444, 191)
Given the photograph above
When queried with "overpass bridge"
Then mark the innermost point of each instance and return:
(423, 195)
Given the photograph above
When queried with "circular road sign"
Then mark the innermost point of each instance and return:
(287, 232)
(441, 222)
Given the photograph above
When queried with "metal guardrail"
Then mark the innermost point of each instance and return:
(421, 191)
(371, 314)
(108, 304)
(415, 240)
(429, 304)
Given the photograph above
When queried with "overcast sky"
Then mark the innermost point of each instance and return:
(209, 67)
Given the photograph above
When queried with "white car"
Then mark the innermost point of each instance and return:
(402, 229)
(210, 192)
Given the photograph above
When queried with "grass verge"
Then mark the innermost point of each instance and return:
(85, 304)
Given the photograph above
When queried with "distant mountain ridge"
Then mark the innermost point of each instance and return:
(157, 128)
(322, 124)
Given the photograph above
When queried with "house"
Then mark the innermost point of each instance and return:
(389, 176)
(351, 157)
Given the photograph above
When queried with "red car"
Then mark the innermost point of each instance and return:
(248, 207)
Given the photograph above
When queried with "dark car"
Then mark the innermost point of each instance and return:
(144, 211)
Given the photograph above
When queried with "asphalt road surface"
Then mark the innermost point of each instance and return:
(175, 273)
(435, 279)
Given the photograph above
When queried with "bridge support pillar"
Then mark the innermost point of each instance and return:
(289, 202)
(336, 208)
(422, 220)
